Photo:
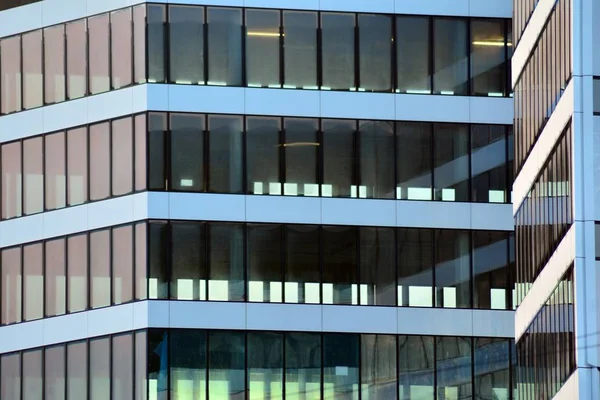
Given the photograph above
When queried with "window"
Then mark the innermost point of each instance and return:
(490, 270)
(32, 375)
(33, 177)
(188, 364)
(226, 365)
(33, 282)
(141, 364)
(187, 152)
(338, 159)
(378, 362)
(451, 381)
(121, 48)
(122, 262)
(77, 59)
(99, 161)
(140, 164)
(224, 46)
(303, 365)
(262, 48)
(265, 272)
(226, 255)
(156, 31)
(413, 54)
(488, 58)
(77, 166)
(302, 264)
(265, 365)
(77, 369)
(340, 366)
(188, 252)
(301, 154)
(263, 155)
(452, 269)
(415, 267)
(32, 70)
(122, 156)
(54, 64)
(157, 127)
(375, 52)
(10, 380)
(11, 181)
(77, 281)
(55, 277)
(338, 51)
(225, 154)
(186, 39)
(158, 363)
(54, 372)
(158, 284)
(416, 367)
(492, 381)
(139, 44)
(488, 164)
(450, 56)
(99, 369)
(451, 162)
(55, 171)
(141, 261)
(596, 89)
(377, 266)
(340, 265)
(100, 268)
(122, 367)
(11, 286)
(10, 65)
(414, 161)
(300, 49)
(376, 149)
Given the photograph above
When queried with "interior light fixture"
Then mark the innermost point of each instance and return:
(490, 43)
(264, 34)
(300, 144)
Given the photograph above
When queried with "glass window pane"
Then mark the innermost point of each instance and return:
(100, 369)
(376, 148)
(412, 47)
(414, 161)
(157, 127)
(77, 261)
(186, 39)
(54, 373)
(77, 368)
(224, 46)
(55, 277)
(262, 48)
(225, 153)
(11, 285)
(10, 380)
(416, 369)
(140, 164)
(55, 159)
(303, 366)
(33, 169)
(340, 366)
(451, 150)
(141, 364)
(10, 65)
(158, 364)
(32, 375)
(226, 280)
(450, 56)
(77, 166)
(33, 281)
(100, 161)
(122, 156)
(488, 164)
(156, 42)
(158, 284)
(340, 267)
(377, 266)
(226, 365)
(122, 264)
(265, 365)
(488, 57)
(11, 181)
(301, 147)
(490, 270)
(100, 268)
(337, 52)
(264, 263)
(189, 272)
(121, 48)
(54, 64)
(415, 267)
(122, 367)
(375, 44)
(77, 59)
(187, 152)
(188, 364)
(453, 382)
(338, 158)
(300, 49)
(141, 261)
(452, 269)
(32, 70)
(378, 361)
(302, 265)
(139, 44)
(99, 53)
(492, 369)
(263, 155)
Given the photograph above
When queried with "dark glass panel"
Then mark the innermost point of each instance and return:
(12, 191)
(140, 165)
(263, 155)
(302, 265)
(186, 44)
(301, 148)
(158, 281)
(158, 364)
(54, 64)
(77, 166)
(453, 367)
(300, 49)
(33, 82)
(10, 65)
(77, 279)
(155, 34)
(337, 51)
(100, 369)
(413, 54)
(490, 270)
(488, 59)
(77, 368)
(99, 53)
(157, 127)
(141, 364)
(450, 59)
(377, 266)
(415, 267)
(414, 161)
(224, 46)
(55, 277)
(375, 44)
(189, 272)
(55, 168)
(226, 365)
(303, 366)
(122, 264)
(99, 161)
(378, 362)
(100, 268)
(264, 263)
(488, 164)
(262, 48)
(141, 261)
(122, 156)
(121, 48)
(452, 269)
(122, 367)
(77, 59)
(225, 153)
(340, 366)
(492, 369)
(188, 364)
(10, 380)
(33, 281)
(416, 367)
(187, 152)
(340, 267)
(451, 162)
(55, 366)
(265, 365)
(376, 149)
(11, 286)
(226, 276)
(139, 44)
(33, 175)
(339, 158)
(32, 375)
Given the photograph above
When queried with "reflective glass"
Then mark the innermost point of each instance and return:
(10, 379)
(55, 159)
(55, 277)
(77, 280)
(377, 266)
(375, 52)
(225, 154)
(376, 149)
(54, 64)
(33, 175)
(12, 190)
(452, 269)
(141, 364)
(303, 366)
(415, 267)
(77, 368)
(187, 152)
(122, 264)
(265, 272)
(302, 264)
(32, 376)
(414, 161)
(32, 70)
(338, 158)
(122, 156)
(453, 382)
(158, 364)
(262, 48)
(226, 255)
(156, 32)
(451, 162)
(340, 265)
(140, 164)
(301, 153)
(141, 261)
(300, 49)
(413, 55)
(77, 60)
(139, 43)
(99, 161)
(492, 369)
(450, 61)
(488, 164)
(77, 166)
(11, 286)
(378, 367)
(488, 73)
(186, 45)
(157, 127)
(265, 366)
(99, 369)
(10, 65)
(224, 46)
(158, 286)
(416, 368)
(122, 367)
(100, 268)
(337, 53)
(188, 365)
(226, 365)
(263, 153)
(188, 262)
(121, 48)
(340, 366)
(490, 270)
(98, 33)
(54, 372)
(33, 281)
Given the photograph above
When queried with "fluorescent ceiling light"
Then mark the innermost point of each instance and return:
(299, 144)
(264, 34)
(490, 43)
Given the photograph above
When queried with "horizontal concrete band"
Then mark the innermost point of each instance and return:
(256, 316)
(255, 208)
(255, 101)
(51, 12)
